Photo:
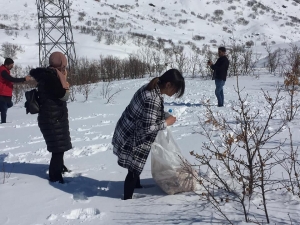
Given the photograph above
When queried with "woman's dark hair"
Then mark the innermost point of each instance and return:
(8, 61)
(174, 77)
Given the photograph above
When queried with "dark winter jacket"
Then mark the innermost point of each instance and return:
(53, 115)
(220, 68)
(137, 129)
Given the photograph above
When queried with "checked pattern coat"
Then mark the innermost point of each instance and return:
(137, 128)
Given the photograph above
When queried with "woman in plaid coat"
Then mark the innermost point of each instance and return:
(139, 124)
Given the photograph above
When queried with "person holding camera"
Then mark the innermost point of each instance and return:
(220, 73)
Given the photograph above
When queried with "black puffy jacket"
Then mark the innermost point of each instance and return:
(53, 115)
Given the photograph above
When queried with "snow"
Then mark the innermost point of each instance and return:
(94, 188)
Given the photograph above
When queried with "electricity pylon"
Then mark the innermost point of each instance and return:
(55, 30)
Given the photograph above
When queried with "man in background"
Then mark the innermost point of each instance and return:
(220, 73)
(6, 87)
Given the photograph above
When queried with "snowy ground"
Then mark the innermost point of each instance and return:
(95, 185)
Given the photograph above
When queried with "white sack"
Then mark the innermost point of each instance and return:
(168, 170)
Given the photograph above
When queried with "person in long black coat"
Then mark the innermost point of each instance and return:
(53, 91)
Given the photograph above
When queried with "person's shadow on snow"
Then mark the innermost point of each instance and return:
(79, 186)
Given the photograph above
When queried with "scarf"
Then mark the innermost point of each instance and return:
(58, 61)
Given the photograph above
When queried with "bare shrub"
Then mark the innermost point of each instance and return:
(5, 172)
(86, 73)
(133, 67)
(237, 163)
(232, 7)
(198, 37)
(291, 166)
(283, 37)
(273, 59)
(110, 38)
(249, 43)
(9, 32)
(218, 12)
(108, 93)
(252, 16)
(193, 64)
(291, 83)
(99, 36)
(242, 21)
(81, 16)
(9, 50)
(183, 11)
(235, 59)
(183, 21)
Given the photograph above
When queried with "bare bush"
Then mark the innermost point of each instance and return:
(232, 7)
(291, 166)
(108, 93)
(9, 32)
(242, 21)
(198, 38)
(9, 50)
(235, 59)
(249, 43)
(218, 12)
(110, 38)
(183, 21)
(6, 174)
(81, 16)
(291, 83)
(239, 167)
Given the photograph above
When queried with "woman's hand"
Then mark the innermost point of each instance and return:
(170, 120)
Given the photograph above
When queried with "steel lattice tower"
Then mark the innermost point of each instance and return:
(55, 30)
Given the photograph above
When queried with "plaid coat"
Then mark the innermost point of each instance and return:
(137, 128)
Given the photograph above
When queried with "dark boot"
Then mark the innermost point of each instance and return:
(65, 170)
(55, 167)
(130, 184)
(138, 183)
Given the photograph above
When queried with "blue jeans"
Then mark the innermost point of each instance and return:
(219, 91)
(3, 109)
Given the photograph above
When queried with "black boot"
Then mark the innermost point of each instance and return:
(130, 184)
(65, 170)
(138, 183)
(55, 168)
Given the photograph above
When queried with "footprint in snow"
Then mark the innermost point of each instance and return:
(136, 196)
(80, 197)
(82, 214)
(52, 217)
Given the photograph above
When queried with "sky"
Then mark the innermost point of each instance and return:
(94, 188)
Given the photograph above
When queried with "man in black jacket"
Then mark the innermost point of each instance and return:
(220, 73)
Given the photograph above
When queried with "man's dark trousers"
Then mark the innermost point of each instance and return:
(4, 105)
